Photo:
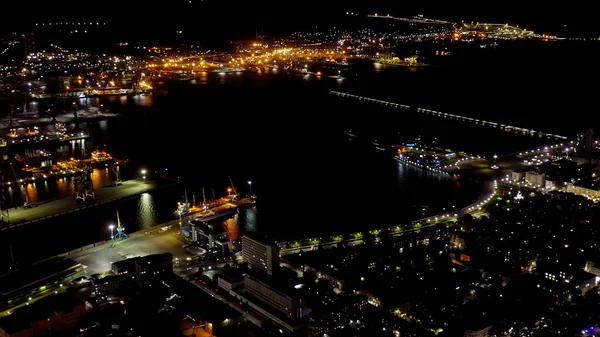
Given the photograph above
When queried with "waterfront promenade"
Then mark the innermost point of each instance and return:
(50, 209)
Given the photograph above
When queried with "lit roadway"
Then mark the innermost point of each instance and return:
(482, 170)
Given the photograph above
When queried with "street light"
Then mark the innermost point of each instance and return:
(494, 166)
(229, 191)
(144, 175)
(111, 227)
(250, 186)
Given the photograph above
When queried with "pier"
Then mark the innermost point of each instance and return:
(54, 208)
(83, 115)
(482, 122)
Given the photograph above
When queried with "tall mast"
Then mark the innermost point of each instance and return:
(12, 255)
(185, 196)
(232, 186)
(203, 197)
(118, 220)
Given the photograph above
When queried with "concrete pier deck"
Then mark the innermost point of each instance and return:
(22, 216)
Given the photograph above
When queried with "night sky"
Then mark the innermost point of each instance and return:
(232, 17)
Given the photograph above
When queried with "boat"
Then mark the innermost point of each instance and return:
(100, 156)
(208, 210)
(31, 132)
(183, 208)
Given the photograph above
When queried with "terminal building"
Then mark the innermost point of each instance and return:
(58, 314)
(31, 281)
(143, 268)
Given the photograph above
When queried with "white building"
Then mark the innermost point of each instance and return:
(518, 175)
(551, 184)
(260, 255)
(537, 179)
(590, 192)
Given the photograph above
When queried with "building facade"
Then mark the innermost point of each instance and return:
(260, 255)
(291, 306)
(538, 179)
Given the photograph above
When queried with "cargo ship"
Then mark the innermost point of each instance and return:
(208, 211)
(33, 136)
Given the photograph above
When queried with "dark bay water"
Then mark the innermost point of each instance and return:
(286, 135)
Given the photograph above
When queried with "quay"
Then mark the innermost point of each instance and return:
(407, 161)
(82, 116)
(46, 210)
(505, 127)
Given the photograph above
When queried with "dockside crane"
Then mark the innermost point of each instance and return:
(116, 170)
(27, 204)
(84, 186)
(4, 213)
(120, 229)
(235, 191)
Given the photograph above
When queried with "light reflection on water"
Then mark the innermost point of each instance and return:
(232, 227)
(45, 190)
(251, 224)
(146, 212)
(103, 125)
(243, 221)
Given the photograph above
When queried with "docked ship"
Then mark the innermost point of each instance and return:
(100, 156)
(210, 215)
(33, 136)
(208, 211)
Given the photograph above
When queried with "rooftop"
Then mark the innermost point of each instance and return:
(130, 263)
(13, 324)
(40, 310)
(261, 238)
(232, 276)
(197, 302)
(112, 278)
(35, 274)
(279, 281)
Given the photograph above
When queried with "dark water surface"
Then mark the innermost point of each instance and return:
(286, 135)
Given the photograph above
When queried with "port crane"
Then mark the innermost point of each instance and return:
(4, 214)
(120, 229)
(235, 191)
(116, 171)
(84, 186)
(27, 204)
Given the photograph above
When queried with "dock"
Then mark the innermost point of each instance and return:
(83, 115)
(46, 210)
